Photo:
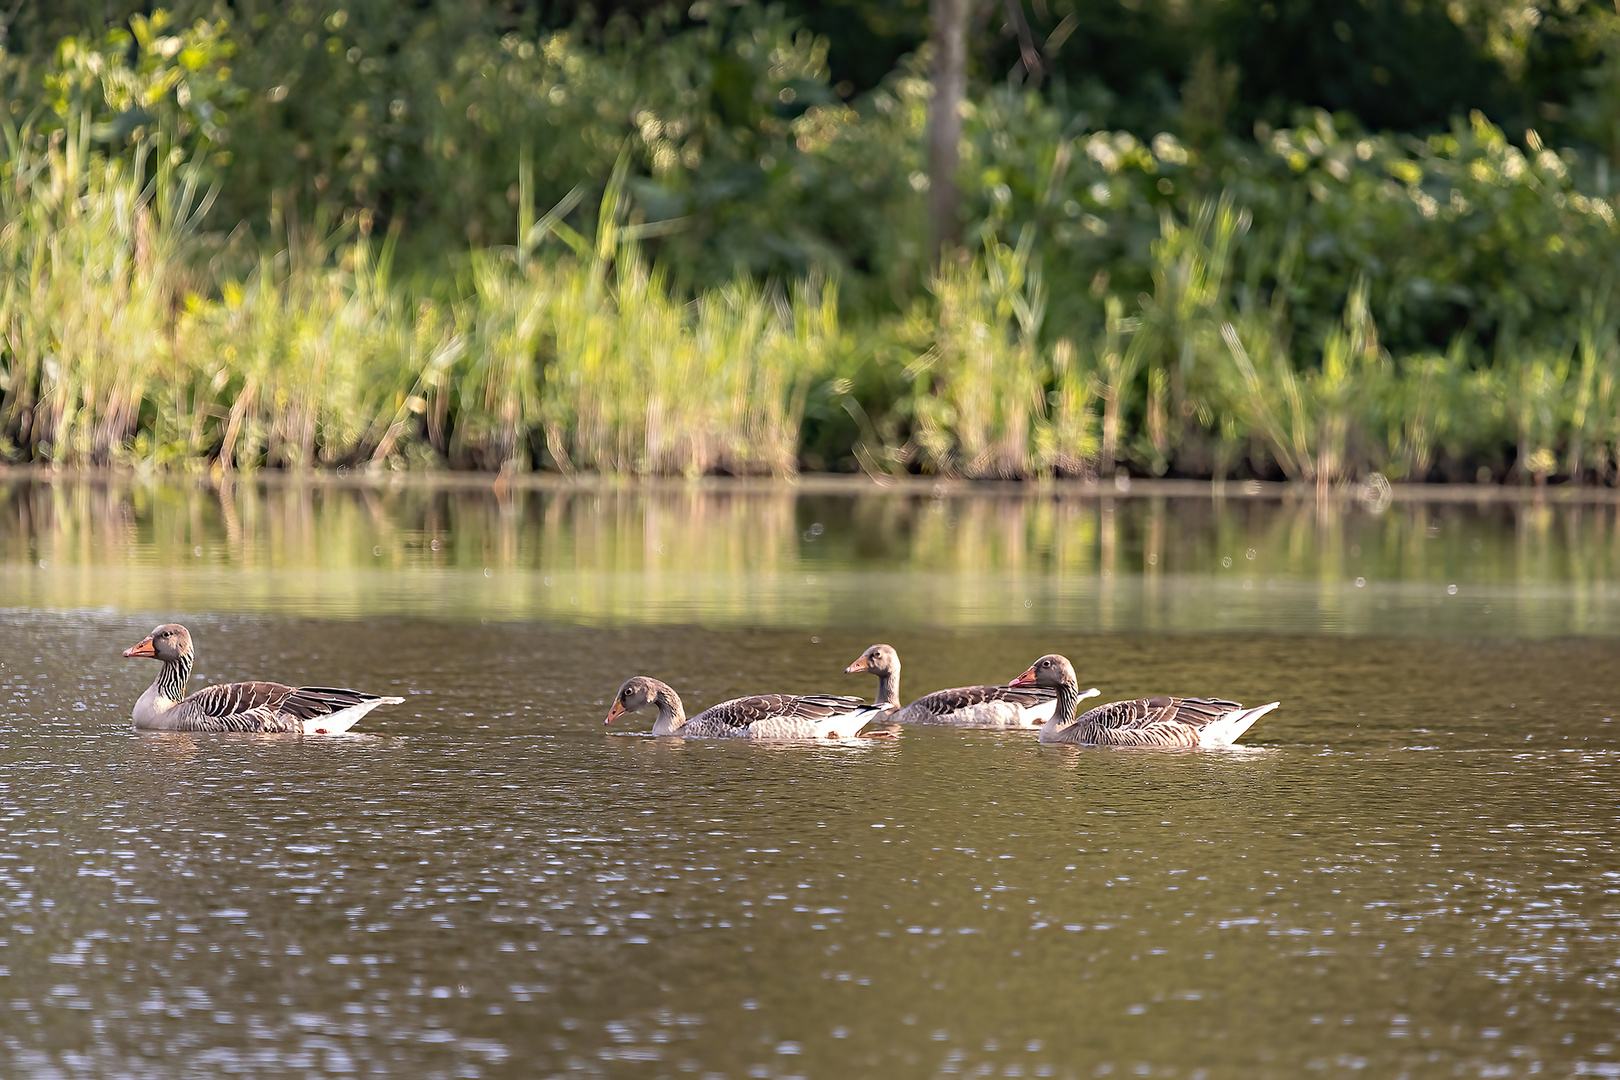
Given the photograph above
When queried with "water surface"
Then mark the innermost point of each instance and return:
(750, 556)
(1411, 870)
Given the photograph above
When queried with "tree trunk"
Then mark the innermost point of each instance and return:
(948, 33)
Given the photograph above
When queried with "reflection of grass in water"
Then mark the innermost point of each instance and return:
(750, 557)
(413, 527)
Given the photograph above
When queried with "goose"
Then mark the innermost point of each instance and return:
(962, 706)
(243, 706)
(1155, 721)
(763, 716)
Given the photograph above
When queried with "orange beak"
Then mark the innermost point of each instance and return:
(1026, 679)
(615, 712)
(143, 649)
(858, 666)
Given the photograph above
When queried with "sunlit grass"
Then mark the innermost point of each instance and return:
(118, 349)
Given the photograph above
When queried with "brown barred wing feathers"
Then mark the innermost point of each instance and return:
(813, 706)
(241, 706)
(964, 697)
(313, 702)
(268, 707)
(982, 706)
(784, 716)
(1114, 716)
(1162, 721)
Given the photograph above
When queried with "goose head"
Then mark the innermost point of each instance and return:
(636, 693)
(1050, 670)
(169, 643)
(879, 660)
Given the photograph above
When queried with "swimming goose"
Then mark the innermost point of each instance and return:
(243, 706)
(962, 706)
(764, 716)
(1155, 721)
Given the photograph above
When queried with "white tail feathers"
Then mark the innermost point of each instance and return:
(847, 727)
(344, 719)
(1229, 728)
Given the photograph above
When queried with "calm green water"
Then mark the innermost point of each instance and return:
(1412, 870)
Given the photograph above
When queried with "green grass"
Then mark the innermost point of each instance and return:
(118, 349)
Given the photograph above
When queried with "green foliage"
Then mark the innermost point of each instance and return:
(421, 116)
(732, 276)
(157, 86)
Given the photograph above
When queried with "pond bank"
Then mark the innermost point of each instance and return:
(843, 484)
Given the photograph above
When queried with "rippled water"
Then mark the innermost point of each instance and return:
(1411, 871)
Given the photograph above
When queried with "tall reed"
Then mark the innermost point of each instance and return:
(117, 346)
(989, 398)
(588, 360)
(88, 256)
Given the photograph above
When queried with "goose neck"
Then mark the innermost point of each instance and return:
(671, 713)
(888, 691)
(1068, 698)
(172, 677)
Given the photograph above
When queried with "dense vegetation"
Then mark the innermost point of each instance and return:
(1287, 239)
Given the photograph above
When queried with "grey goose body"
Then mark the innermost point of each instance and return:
(761, 716)
(261, 707)
(1156, 721)
(959, 706)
